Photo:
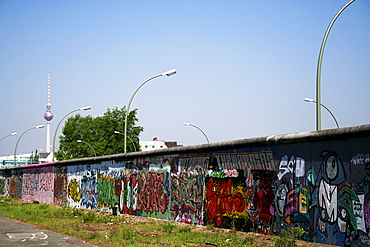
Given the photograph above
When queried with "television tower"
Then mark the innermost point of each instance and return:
(48, 117)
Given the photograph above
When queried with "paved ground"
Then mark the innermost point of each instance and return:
(15, 233)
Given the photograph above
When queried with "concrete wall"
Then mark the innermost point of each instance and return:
(318, 180)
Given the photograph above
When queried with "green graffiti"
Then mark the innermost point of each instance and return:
(106, 191)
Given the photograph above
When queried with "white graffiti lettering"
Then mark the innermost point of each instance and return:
(360, 159)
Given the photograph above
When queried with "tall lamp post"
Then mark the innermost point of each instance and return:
(318, 74)
(80, 141)
(311, 100)
(117, 132)
(167, 73)
(12, 134)
(16, 145)
(189, 124)
(85, 108)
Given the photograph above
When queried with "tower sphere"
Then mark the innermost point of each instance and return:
(48, 115)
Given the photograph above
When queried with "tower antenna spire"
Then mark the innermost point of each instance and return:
(48, 117)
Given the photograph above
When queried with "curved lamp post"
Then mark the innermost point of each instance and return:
(12, 134)
(80, 141)
(167, 73)
(189, 124)
(85, 108)
(117, 132)
(311, 100)
(318, 75)
(16, 145)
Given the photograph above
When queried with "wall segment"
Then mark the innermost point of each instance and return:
(317, 180)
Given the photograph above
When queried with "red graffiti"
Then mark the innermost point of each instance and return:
(221, 200)
(150, 196)
(13, 186)
(60, 186)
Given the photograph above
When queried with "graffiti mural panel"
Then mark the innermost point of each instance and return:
(153, 194)
(187, 191)
(226, 202)
(60, 185)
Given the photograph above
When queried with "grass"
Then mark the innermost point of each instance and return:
(104, 229)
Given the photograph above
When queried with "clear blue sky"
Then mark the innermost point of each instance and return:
(244, 67)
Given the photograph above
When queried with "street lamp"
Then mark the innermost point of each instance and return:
(189, 124)
(16, 145)
(318, 73)
(85, 108)
(167, 73)
(80, 141)
(12, 134)
(117, 132)
(311, 100)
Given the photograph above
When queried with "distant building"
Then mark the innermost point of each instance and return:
(155, 144)
(24, 159)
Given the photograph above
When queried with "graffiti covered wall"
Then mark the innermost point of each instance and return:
(321, 185)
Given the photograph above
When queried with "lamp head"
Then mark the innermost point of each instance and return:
(186, 123)
(79, 141)
(170, 72)
(40, 126)
(308, 100)
(85, 108)
(117, 132)
(13, 134)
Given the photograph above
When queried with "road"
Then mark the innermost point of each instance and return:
(15, 233)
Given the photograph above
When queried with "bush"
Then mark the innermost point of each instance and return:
(88, 217)
(289, 236)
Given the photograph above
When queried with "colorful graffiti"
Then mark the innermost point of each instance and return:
(74, 191)
(226, 202)
(152, 194)
(324, 203)
(128, 194)
(107, 197)
(324, 191)
(260, 198)
(263, 160)
(60, 185)
(187, 198)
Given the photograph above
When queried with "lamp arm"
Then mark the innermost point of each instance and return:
(129, 105)
(336, 122)
(56, 130)
(200, 131)
(16, 145)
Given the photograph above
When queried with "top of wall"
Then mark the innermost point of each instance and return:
(361, 131)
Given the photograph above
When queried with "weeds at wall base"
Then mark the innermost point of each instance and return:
(104, 229)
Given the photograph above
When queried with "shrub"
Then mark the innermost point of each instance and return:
(88, 217)
(289, 236)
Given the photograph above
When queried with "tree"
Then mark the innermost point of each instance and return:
(98, 134)
(34, 158)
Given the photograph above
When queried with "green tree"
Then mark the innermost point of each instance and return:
(34, 158)
(98, 134)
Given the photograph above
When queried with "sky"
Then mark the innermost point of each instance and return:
(243, 67)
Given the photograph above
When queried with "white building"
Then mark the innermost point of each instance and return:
(23, 159)
(155, 144)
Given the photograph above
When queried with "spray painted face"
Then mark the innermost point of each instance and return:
(343, 219)
(332, 168)
(281, 194)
